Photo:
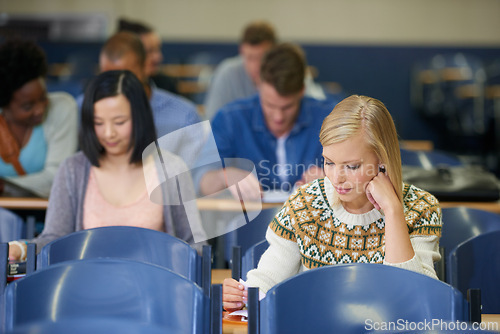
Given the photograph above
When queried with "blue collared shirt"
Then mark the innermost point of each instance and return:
(171, 112)
(240, 132)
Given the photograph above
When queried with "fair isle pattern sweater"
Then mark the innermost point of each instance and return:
(325, 238)
(310, 232)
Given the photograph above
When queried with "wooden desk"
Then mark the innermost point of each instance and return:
(217, 204)
(491, 320)
(203, 204)
(24, 203)
(417, 145)
(218, 275)
(487, 206)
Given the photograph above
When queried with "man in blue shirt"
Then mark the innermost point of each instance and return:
(277, 129)
(238, 77)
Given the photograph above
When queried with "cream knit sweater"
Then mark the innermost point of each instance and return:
(308, 233)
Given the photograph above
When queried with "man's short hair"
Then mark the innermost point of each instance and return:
(258, 32)
(284, 67)
(122, 43)
(133, 26)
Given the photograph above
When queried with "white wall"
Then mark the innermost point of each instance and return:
(388, 22)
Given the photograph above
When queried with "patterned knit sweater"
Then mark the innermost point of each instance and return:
(309, 233)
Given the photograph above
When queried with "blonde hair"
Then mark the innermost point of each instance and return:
(364, 114)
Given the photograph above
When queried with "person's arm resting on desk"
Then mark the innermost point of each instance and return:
(217, 180)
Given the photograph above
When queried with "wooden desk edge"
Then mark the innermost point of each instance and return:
(222, 205)
(203, 204)
(24, 203)
(486, 206)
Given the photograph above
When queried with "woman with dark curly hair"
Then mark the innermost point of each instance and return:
(37, 130)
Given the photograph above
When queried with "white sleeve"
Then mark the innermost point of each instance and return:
(426, 253)
(280, 261)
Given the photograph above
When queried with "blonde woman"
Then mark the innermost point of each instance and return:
(361, 211)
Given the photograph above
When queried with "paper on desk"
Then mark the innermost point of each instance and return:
(243, 313)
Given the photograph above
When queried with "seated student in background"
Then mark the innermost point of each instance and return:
(238, 77)
(277, 129)
(38, 130)
(125, 51)
(361, 211)
(152, 44)
(104, 184)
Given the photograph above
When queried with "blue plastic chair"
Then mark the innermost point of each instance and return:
(108, 288)
(475, 263)
(236, 243)
(134, 243)
(461, 224)
(251, 233)
(11, 226)
(95, 325)
(345, 298)
(252, 256)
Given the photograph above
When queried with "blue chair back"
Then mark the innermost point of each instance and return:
(251, 233)
(126, 242)
(94, 325)
(347, 298)
(251, 258)
(475, 263)
(11, 226)
(108, 288)
(461, 224)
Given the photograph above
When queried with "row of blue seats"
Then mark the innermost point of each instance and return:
(340, 299)
(127, 273)
(147, 289)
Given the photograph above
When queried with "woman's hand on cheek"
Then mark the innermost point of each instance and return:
(380, 192)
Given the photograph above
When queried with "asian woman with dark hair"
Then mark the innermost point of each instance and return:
(105, 183)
